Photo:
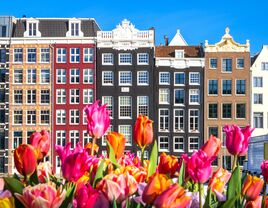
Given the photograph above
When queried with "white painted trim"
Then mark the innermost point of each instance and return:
(159, 130)
(175, 150)
(179, 63)
(143, 84)
(179, 109)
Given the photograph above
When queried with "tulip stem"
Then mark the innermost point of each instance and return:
(200, 187)
(234, 162)
(93, 145)
(264, 196)
(142, 155)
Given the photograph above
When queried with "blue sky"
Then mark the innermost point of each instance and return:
(198, 20)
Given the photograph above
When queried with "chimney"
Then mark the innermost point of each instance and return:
(166, 40)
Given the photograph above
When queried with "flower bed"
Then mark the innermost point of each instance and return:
(124, 180)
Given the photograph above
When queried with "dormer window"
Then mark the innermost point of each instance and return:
(74, 28)
(32, 28)
(179, 53)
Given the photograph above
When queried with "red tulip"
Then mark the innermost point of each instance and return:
(143, 131)
(174, 196)
(252, 187)
(98, 120)
(41, 142)
(118, 142)
(25, 159)
(237, 139)
(264, 170)
(219, 180)
(168, 164)
(255, 204)
(212, 146)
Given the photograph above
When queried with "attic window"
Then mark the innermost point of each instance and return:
(74, 29)
(179, 53)
(32, 29)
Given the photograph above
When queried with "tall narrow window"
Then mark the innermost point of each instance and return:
(31, 55)
(163, 119)
(45, 55)
(143, 105)
(61, 55)
(32, 29)
(240, 87)
(31, 76)
(108, 100)
(87, 96)
(227, 65)
(193, 120)
(74, 29)
(45, 76)
(18, 55)
(88, 76)
(61, 76)
(75, 76)
(164, 96)
(125, 107)
(178, 120)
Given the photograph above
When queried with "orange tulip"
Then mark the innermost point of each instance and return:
(88, 147)
(174, 196)
(252, 187)
(41, 142)
(219, 179)
(118, 142)
(168, 164)
(212, 146)
(143, 131)
(25, 159)
(255, 204)
(156, 185)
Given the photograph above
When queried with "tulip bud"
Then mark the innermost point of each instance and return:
(252, 187)
(143, 131)
(118, 142)
(168, 164)
(41, 142)
(212, 146)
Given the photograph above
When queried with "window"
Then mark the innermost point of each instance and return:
(213, 131)
(74, 29)
(18, 96)
(125, 78)
(45, 76)
(86, 138)
(61, 138)
(18, 77)
(264, 65)
(226, 87)
(226, 65)
(45, 55)
(164, 97)
(143, 105)
(31, 55)
(31, 96)
(194, 78)
(88, 76)
(74, 116)
(143, 78)
(61, 76)
(3, 55)
(194, 96)
(226, 161)
(61, 55)
(125, 107)
(179, 78)
(223, 137)
(3, 75)
(88, 55)
(240, 87)
(3, 34)
(258, 119)
(179, 53)
(127, 131)
(31, 76)
(125, 58)
(226, 110)
(74, 138)
(74, 55)
(31, 117)
(32, 29)
(257, 81)
(74, 77)
(108, 100)
(163, 144)
(84, 117)
(213, 87)
(213, 110)
(178, 120)
(29, 133)
(104, 141)
(193, 143)
(194, 120)
(44, 116)
(107, 59)
(145, 156)
(61, 117)
(258, 98)
(178, 145)
(163, 120)
(213, 63)
(164, 78)
(45, 96)
(18, 55)
(240, 63)
(107, 78)
(61, 96)
(74, 96)
(179, 95)
(240, 110)
(17, 138)
(87, 96)
(143, 58)
(17, 119)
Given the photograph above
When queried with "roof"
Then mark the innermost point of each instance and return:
(253, 58)
(178, 40)
(189, 51)
(56, 27)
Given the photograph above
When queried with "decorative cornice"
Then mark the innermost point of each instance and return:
(179, 63)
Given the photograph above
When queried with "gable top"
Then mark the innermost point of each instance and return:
(227, 44)
(178, 40)
(169, 51)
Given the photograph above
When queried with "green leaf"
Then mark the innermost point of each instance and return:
(153, 160)
(34, 178)
(13, 185)
(182, 173)
(99, 173)
(112, 155)
(234, 185)
(114, 204)
(70, 190)
(208, 199)
(230, 203)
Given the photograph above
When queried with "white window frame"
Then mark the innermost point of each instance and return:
(88, 55)
(75, 76)
(88, 77)
(104, 59)
(19, 94)
(44, 52)
(179, 54)
(168, 77)
(222, 87)
(104, 137)
(175, 79)
(112, 76)
(45, 93)
(129, 75)
(61, 95)
(164, 129)
(86, 138)
(258, 117)
(194, 122)
(74, 115)
(109, 101)
(256, 81)
(141, 106)
(143, 60)
(120, 99)
(179, 104)
(61, 55)
(242, 118)
(165, 142)
(87, 95)
(209, 88)
(194, 92)
(18, 72)
(42, 113)
(33, 94)
(44, 73)
(30, 76)
(222, 111)
(140, 78)
(121, 56)
(18, 139)
(128, 135)
(32, 54)
(189, 145)
(210, 63)
(179, 120)
(17, 114)
(61, 74)
(61, 114)
(18, 52)
(32, 115)
(75, 55)
(224, 71)
(236, 87)
(178, 143)
(73, 94)
(191, 78)
(163, 95)
(237, 63)
(61, 137)
(74, 138)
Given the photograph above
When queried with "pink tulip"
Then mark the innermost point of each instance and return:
(41, 195)
(98, 120)
(198, 166)
(41, 142)
(264, 170)
(87, 197)
(237, 139)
